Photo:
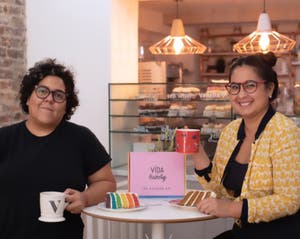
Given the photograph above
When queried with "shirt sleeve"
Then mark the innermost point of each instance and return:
(95, 155)
(244, 214)
(205, 172)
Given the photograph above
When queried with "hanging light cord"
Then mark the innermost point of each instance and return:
(177, 9)
(264, 7)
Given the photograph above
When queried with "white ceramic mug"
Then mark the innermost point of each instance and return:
(52, 206)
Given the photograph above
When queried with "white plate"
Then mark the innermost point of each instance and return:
(102, 207)
(46, 219)
(175, 202)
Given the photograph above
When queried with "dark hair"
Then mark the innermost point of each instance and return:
(38, 72)
(263, 65)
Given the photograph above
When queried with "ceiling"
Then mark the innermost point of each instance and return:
(205, 12)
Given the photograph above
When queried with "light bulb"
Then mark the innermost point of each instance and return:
(141, 53)
(141, 50)
(178, 45)
(264, 41)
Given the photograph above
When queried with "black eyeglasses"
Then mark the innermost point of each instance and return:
(42, 92)
(249, 86)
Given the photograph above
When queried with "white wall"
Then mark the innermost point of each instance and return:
(124, 40)
(90, 37)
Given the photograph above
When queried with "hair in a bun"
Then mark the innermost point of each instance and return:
(269, 58)
(263, 65)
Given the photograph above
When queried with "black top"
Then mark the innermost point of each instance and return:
(31, 164)
(234, 179)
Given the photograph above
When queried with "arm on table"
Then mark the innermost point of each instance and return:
(99, 183)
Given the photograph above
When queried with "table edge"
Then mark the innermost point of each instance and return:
(205, 218)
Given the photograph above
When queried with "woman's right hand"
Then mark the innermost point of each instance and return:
(220, 207)
(200, 159)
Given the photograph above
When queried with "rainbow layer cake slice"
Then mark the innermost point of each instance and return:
(126, 200)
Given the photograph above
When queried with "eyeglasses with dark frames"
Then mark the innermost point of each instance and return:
(249, 86)
(42, 92)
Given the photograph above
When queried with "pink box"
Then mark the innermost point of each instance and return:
(156, 173)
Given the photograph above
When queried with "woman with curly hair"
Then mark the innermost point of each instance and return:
(46, 152)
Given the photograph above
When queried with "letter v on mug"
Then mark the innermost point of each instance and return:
(52, 206)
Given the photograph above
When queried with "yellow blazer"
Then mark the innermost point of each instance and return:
(272, 181)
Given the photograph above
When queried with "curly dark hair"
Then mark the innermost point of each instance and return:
(263, 65)
(38, 72)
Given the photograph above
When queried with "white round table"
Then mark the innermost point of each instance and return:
(157, 211)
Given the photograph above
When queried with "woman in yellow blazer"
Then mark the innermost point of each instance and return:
(255, 171)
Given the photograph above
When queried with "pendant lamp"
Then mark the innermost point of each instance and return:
(264, 39)
(177, 43)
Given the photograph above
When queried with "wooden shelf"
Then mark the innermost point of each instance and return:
(227, 53)
(296, 63)
(207, 74)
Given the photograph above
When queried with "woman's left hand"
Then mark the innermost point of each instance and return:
(216, 207)
(76, 200)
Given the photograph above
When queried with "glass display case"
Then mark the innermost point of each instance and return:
(141, 114)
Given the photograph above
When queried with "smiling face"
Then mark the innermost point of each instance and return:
(46, 114)
(250, 105)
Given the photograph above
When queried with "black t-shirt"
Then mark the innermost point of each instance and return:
(31, 164)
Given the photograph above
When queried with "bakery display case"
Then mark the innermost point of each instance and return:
(140, 113)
